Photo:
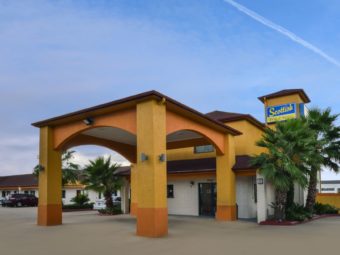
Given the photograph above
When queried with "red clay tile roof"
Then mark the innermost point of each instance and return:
(286, 92)
(233, 116)
(23, 180)
(198, 165)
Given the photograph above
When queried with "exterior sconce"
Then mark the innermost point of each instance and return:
(192, 183)
(259, 180)
(162, 157)
(144, 157)
(88, 121)
(40, 168)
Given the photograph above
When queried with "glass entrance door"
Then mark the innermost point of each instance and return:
(207, 199)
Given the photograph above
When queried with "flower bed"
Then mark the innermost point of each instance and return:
(291, 223)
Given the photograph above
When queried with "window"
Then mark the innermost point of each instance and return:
(170, 188)
(63, 194)
(3, 194)
(32, 192)
(338, 190)
(203, 149)
(78, 192)
(327, 189)
(26, 192)
(255, 193)
(100, 195)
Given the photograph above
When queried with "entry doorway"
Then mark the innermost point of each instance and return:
(207, 199)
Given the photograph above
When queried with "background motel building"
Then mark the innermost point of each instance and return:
(28, 184)
(183, 162)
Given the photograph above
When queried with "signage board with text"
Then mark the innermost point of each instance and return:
(280, 112)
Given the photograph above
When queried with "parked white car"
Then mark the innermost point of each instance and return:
(101, 203)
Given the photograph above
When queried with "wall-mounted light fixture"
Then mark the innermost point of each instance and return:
(162, 157)
(144, 157)
(88, 121)
(192, 183)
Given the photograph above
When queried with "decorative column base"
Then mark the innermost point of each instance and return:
(152, 222)
(133, 209)
(49, 215)
(226, 212)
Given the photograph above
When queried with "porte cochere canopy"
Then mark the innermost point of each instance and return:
(141, 128)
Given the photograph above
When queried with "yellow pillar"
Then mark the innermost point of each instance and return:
(152, 213)
(225, 181)
(134, 190)
(50, 204)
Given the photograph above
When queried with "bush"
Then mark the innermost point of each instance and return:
(297, 212)
(111, 211)
(75, 206)
(325, 209)
(80, 200)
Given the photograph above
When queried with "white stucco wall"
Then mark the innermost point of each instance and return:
(185, 201)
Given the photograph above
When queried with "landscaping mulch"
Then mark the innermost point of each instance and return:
(292, 223)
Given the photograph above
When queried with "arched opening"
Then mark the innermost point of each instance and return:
(191, 174)
(114, 138)
(82, 156)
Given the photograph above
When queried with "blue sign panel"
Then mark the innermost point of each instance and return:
(280, 112)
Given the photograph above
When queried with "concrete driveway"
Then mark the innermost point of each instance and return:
(87, 233)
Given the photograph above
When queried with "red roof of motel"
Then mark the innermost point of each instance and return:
(23, 180)
(243, 162)
(286, 92)
(232, 116)
(92, 111)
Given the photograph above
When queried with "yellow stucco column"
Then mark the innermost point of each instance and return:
(134, 190)
(152, 213)
(225, 181)
(50, 204)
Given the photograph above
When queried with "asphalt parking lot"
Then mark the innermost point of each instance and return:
(89, 233)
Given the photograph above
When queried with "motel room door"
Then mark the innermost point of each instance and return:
(207, 199)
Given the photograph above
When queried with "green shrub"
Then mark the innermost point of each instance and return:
(297, 212)
(75, 206)
(111, 211)
(81, 199)
(324, 209)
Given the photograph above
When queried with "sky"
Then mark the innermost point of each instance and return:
(61, 56)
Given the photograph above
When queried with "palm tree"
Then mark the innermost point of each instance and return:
(99, 175)
(327, 151)
(70, 170)
(288, 147)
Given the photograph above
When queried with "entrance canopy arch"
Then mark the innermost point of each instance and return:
(112, 138)
(149, 117)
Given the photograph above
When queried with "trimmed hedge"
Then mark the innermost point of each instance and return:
(325, 209)
(111, 211)
(75, 206)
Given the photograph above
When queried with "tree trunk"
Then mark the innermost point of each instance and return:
(290, 196)
(108, 199)
(313, 179)
(280, 200)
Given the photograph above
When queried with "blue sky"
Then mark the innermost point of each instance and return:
(60, 56)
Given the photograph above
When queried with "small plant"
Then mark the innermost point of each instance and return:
(297, 212)
(111, 211)
(81, 199)
(325, 209)
(78, 207)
